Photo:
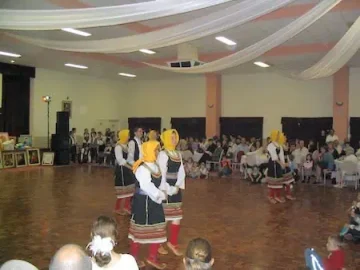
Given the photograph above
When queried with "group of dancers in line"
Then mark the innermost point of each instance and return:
(148, 184)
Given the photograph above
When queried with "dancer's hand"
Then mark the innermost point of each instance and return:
(176, 190)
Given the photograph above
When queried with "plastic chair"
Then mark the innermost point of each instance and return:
(216, 163)
(349, 171)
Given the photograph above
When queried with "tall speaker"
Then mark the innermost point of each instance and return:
(62, 157)
(62, 123)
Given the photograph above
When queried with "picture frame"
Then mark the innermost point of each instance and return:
(8, 159)
(4, 136)
(33, 156)
(25, 139)
(20, 159)
(48, 159)
(67, 106)
(13, 138)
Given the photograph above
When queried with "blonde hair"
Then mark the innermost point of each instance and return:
(336, 240)
(198, 255)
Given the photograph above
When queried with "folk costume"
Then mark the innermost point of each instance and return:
(173, 175)
(124, 177)
(147, 224)
(277, 178)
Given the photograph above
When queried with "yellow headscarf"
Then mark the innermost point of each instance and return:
(123, 136)
(148, 151)
(152, 135)
(167, 141)
(278, 137)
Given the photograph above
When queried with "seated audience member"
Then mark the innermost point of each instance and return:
(225, 167)
(17, 265)
(70, 257)
(217, 152)
(350, 155)
(333, 151)
(85, 155)
(308, 168)
(258, 145)
(293, 168)
(204, 172)
(186, 153)
(108, 153)
(347, 147)
(254, 175)
(354, 211)
(100, 148)
(311, 146)
(325, 163)
(198, 255)
(103, 239)
(208, 149)
(93, 146)
(335, 260)
(339, 148)
(188, 166)
(194, 144)
(195, 171)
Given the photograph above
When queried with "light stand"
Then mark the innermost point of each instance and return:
(47, 99)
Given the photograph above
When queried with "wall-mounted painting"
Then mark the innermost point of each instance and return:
(67, 107)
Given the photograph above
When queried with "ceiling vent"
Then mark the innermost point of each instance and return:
(185, 63)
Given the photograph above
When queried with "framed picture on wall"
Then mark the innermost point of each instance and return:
(48, 159)
(8, 159)
(20, 159)
(67, 106)
(33, 156)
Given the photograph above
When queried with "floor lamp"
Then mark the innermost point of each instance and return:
(47, 99)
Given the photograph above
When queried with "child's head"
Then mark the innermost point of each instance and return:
(334, 243)
(103, 235)
(308, 157)
(202, 165)
(198, 255)
(224, 158)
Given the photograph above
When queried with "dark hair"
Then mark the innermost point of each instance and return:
(104, 227)
(198, 254)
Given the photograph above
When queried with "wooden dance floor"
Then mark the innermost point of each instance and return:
(42, 209)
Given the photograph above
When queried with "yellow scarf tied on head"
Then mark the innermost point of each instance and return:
(166, 138)
(149, 153)
(152, 135)
(123, 136)
(277, 137)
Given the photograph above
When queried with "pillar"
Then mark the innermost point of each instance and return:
(213, 104)
(341, 103)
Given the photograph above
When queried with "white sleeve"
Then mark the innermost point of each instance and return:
(328, 138)
(162, 162)
(281, 155)
(131, 152)
(181, 175)
(119, 155)
(272, 151)
(143, 176)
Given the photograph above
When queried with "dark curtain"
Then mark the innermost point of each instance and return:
(244, 126)
(355, 131)
(147, 123)
(190, 126)
(15, 105)
(305, 128)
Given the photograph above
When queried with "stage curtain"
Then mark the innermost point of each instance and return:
(244, 126)
(190, 126)
(355, 131)
(305, 128)
(147, 123)
(16, 105)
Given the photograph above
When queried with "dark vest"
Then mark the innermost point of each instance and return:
(125, 154)
(137, 151)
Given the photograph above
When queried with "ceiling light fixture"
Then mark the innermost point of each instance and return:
(261, 64)
(127, 75)
(147, 51)
(76, 66)
(12, 61)
(76, 32)
(226, 41)
(10, 54)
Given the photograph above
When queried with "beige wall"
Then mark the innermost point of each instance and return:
(92, 99)
(354, 93)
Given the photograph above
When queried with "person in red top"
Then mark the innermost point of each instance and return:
(336, 258)
(225, 167)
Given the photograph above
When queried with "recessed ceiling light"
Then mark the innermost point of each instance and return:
(147, 51)
(12, 61)
(226, 41)
(261, 64)
(76, 32)
(10, 54)
(76, 66)
(127, 75)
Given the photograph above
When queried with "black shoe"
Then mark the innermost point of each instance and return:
(333, 181)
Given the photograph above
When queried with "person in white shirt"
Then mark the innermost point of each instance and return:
(173, 174)
(300, 154)
(331, 137)
(134, 146)
(103, 239)
(147, 223)
(350, 156)
(124, 177)
(73, 144)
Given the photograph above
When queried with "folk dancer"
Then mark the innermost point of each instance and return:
(124, 177)
(173, 174)
(147, 224)
(277, 179)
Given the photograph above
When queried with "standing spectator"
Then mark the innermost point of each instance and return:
(73, 145)
(331, 137)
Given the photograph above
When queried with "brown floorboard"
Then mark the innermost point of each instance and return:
(43, 208)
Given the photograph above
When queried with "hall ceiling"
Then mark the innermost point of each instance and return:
(298, 53)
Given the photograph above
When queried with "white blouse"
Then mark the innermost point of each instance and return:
(143, 175)
(272, 151)
(162, 161)
(119, 155)
(126, 261)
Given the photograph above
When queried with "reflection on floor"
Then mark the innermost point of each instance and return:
(42, 209)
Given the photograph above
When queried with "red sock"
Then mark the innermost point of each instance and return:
(174, 234)
(271, 192)
(287, 190)
(118, 204)
(153, 252)
(278, 193)
(128, 204)
(134, 249)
